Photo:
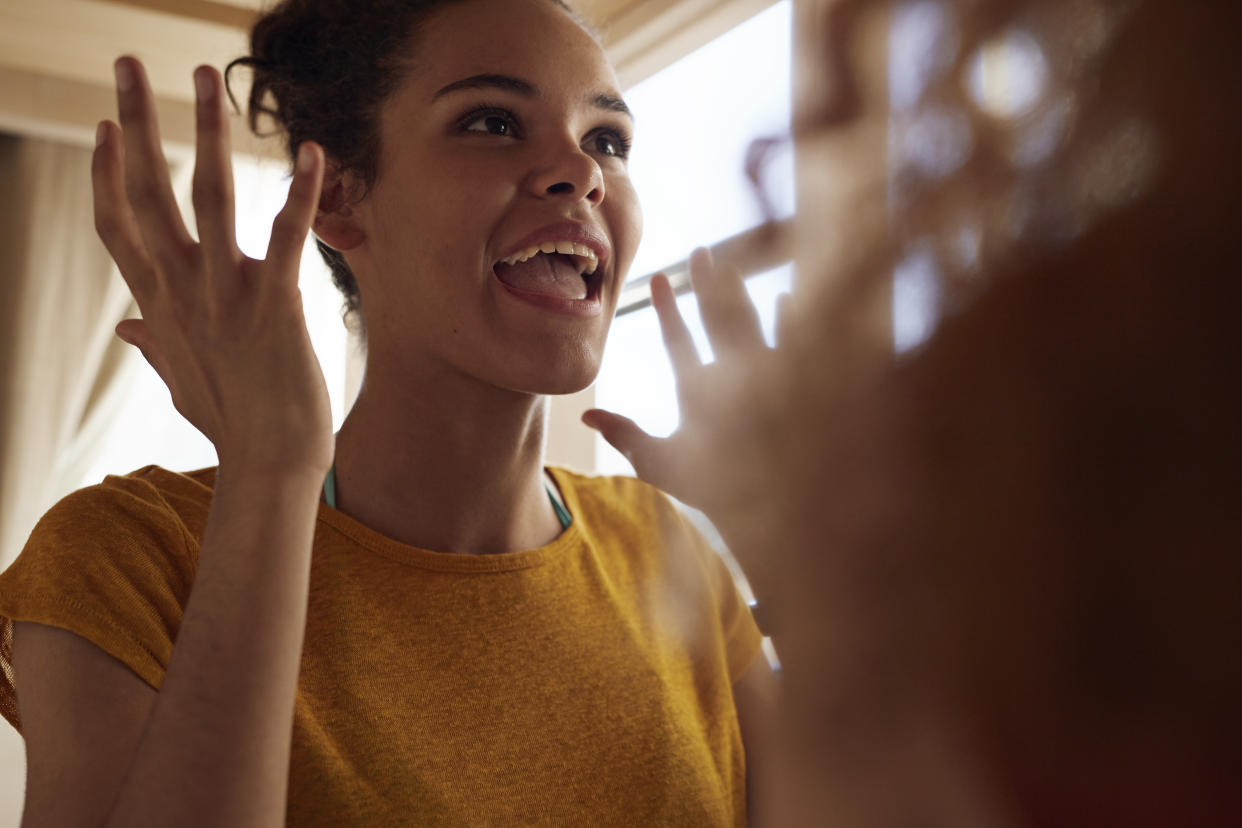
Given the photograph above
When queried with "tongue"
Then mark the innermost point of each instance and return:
(549, 274)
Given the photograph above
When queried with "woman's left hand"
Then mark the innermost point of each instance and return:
(716, 459)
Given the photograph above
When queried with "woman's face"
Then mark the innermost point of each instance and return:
(506, 135)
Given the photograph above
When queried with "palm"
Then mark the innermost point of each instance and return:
(225, 332)
(715, 458)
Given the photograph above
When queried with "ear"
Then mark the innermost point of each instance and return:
(335, 222)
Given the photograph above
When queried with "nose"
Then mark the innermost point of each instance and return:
(567, 172)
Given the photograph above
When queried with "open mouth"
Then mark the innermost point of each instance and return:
(562, 270)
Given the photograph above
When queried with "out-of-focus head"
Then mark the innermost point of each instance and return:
(1022, 603)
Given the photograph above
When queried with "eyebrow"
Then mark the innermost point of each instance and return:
(613, 104)
(518, 86)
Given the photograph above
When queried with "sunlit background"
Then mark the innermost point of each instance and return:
(695, 121)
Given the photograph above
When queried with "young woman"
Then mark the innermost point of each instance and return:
(412, 622)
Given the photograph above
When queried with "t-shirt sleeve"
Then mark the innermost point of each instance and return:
(741, 635)
(110, 563)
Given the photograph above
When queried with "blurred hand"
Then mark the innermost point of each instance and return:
(717, 459)
(225, 332)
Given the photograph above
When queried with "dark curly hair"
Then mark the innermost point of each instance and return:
(322, 71)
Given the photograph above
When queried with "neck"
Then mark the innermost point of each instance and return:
(457, 470)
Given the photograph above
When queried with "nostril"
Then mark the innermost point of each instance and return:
(563, 188)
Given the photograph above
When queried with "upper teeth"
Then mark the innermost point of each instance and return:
(583, 255)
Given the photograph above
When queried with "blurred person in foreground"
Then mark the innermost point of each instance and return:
(1003, 569)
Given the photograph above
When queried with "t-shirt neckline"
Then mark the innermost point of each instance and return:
(380, 544)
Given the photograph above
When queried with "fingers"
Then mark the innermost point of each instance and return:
(134, 332)
(677, 339)
(292, 223)
(114, 219)
(213, 174)
(147, 184)
(730, 318)
(627, 437)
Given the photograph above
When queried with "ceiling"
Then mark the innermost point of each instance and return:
(56, 55)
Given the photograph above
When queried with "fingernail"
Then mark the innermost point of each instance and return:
(203, 84)
(101, 132)
(124, 76)
(306, 159)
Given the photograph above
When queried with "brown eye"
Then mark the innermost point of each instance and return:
(491, 124)
(612, 144)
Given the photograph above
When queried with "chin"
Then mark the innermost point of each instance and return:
(564, 375)
(560, 365)
(572, 387)
(559, 384)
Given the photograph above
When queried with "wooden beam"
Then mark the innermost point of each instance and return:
(645, 36)
(79, 40)
(71, 44)
(203, 11)
(59, 109)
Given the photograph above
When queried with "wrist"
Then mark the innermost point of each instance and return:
(271, 474)
(278, 461)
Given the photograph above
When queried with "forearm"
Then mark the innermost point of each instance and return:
(216, 748)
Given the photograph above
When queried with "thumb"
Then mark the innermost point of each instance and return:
(134, 332)
(627, 437)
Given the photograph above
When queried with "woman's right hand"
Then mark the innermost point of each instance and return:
(225, 332)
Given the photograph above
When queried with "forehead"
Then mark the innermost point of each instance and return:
(534, 40)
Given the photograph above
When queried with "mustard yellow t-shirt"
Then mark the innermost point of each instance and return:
(587, 682)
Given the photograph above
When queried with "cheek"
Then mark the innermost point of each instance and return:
(625, 219)
(435, 209)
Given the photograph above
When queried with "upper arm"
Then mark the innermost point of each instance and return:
(83, 713)
(755, 697)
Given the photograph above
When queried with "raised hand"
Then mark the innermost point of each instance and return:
(716, 459)
(225, 332)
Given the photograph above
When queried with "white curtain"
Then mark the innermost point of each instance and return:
(62, 371)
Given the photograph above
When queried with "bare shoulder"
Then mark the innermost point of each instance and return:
(83, 713)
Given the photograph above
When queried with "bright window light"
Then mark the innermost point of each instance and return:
(695, 121)
(636, 378)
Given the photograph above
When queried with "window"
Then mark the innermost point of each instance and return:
(695, 121)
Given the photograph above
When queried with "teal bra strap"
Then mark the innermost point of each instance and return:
(562, 513)
(329, 496)
(329, 487)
